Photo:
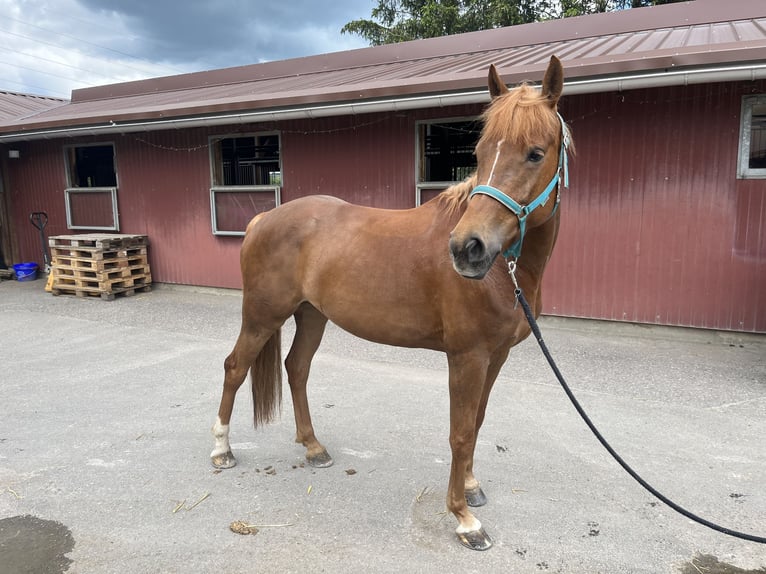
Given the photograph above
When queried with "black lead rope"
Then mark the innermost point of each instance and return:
(536, 330)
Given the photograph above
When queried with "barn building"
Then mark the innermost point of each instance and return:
(664, 222)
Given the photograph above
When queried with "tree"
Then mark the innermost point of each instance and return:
(401, 20)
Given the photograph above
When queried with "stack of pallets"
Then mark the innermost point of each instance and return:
(99, 265)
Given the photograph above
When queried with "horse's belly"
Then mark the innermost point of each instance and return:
(411, 328)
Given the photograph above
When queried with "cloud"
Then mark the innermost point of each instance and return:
(50, 47)
(233, 32)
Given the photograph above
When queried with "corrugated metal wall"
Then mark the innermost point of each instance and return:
(164, 192)
(35, 182)
(366, 159)
(655, 227)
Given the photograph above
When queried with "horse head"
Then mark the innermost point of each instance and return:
(521, 156)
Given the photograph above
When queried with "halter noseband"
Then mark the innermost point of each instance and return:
(522, 211)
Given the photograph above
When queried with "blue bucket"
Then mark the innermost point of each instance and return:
(25, 271)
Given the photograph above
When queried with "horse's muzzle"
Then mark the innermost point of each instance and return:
(471, 257)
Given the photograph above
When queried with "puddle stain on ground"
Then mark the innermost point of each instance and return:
(32, 545)
(707, 564)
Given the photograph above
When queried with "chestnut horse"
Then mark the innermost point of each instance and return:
(389, 276)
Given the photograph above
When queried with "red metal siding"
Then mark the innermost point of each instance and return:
(36, 182)
(368, 160)
(164, 185)
(165, 193)
(656, 227)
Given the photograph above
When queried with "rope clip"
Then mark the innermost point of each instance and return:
(512, 273)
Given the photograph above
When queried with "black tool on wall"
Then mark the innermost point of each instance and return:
(40, 219)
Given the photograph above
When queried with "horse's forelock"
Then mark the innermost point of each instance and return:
(522, 115)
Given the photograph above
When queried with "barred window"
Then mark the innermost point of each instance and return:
(246, 178)
(91, 193)
(752, 141)
(445, 155)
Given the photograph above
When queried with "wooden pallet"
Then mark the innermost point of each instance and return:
(99, 265)
(95, 254)
(99, 241)
(128, 264)
(107, 290)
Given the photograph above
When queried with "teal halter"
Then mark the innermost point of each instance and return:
(522, 211)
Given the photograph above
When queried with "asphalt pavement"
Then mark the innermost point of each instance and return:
(106, 409)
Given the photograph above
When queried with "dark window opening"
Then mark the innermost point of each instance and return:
(250, 160)
(92, 166)
(448, 150)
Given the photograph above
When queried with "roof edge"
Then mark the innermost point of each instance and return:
(654, 79)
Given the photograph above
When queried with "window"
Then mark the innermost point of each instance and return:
(445, 155)
(246, 180)
(91, 193)
(752, 138)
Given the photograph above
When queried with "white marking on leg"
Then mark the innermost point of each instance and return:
(474, 526)
(221, 434)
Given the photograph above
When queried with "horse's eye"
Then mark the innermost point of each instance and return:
(535, 155)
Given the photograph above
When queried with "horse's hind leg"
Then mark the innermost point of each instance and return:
(309, 328)
(249, 344)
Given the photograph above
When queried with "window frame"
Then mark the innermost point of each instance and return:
(744, 171)
(72, 189)
(218, 188)
(276, 190)
(420, 184)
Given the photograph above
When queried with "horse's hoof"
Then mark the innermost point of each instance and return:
(475, 539)
(222, 461)
(475, 497)
(321, 460)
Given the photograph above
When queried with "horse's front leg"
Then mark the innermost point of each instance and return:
(474, 495)
(467, 375)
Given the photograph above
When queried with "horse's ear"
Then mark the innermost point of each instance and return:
(553, 82)
(496, 85)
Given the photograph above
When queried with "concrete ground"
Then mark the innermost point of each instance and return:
(106, 409)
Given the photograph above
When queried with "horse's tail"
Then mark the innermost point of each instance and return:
(266, 381)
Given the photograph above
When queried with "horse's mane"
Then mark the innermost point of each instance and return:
(502, 121)
(455, 196)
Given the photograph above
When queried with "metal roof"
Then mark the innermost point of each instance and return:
(15, 106)
(689, 42)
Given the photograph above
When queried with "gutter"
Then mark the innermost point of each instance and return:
(747, 72)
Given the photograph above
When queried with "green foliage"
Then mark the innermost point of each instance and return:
(401, 20)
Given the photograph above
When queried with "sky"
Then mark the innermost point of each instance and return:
(50, 47)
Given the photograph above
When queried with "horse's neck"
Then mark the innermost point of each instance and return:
(537, 249)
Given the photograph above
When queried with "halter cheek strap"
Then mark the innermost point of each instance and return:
(522, 211)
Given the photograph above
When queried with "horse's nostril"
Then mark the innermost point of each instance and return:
(475, 250)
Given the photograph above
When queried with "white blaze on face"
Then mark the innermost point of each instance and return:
(221, 434)
(494, 163)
